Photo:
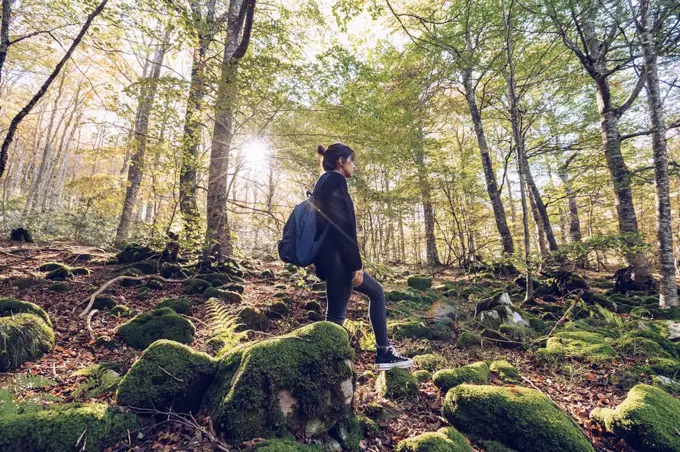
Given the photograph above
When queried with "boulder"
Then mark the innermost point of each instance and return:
(179, 305)
(12, 306)
(217, 279)
(300, 383)
(521, 418)
(134, 252)
(419, 282)
(59, 274)
(673, 331)
(580, 345)
(133, 272)
(429, 361)
(312, 305)
(171, 270)
(104, 303)
(253, 318)
(445, 439)
(71, 427)
(59, 287)
(50, 266)
(277, 310)
(81, 271)
(314, 316)
(446, 379)
(23, 337)
(422, 375)
(409, 329)
(163, 323)
(153, 284)
(235, 288)
(468, 339)
(396, 384)
(505, 371)
(197, 286)
(23, 282)
(146, 266)
(648, 419)
(167, 375)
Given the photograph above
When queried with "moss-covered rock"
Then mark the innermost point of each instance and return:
(429, 361)
(314, 316)
(447, 439)
(72, 427)
(409, 329)
(153, 284)
(134, 252)
(419, 282)
(144, 294)
(12, 306)
(581, 345)
(442, 328)
(163, 323)
(146, 266)
(167, 375)
(239, 288)
(25, 282)
(404, 295)
(396, 384)
(59, 287)
(468, 339)
(104, 303)
(253, 318)
(217, 279)
(81, 271)
(312, 305)
(134, 273)
(521, 418)
(639, 346)
(648, 419)
(50, 266)
(277, 310)
(121, 311)
(197, 286)
(268, 274)
(298, 383)
(59, 274)
(23, 337)
(446, 379)
(179, 305)
(227, 296)
(505, 371)
(284, 445)
(171, 270)
(422, 375)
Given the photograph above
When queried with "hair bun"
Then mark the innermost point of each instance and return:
(321, 150)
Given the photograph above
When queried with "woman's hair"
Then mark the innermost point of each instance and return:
(332, 154)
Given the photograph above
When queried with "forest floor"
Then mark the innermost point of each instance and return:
(578, 388)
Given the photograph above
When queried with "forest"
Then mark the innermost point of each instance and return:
(517, 196)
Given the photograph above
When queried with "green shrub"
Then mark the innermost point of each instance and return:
(163, 323)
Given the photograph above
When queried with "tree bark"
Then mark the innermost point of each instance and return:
(668, 291)
(574, 221)
(4, 32)
(136, 170)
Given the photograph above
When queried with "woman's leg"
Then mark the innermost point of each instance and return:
(338, 292)
(376, 309)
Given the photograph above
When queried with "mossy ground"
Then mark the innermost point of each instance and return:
(163, 323)
(582, 345)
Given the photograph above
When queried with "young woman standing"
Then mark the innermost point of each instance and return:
(339, 261)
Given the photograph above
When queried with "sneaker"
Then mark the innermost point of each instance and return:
(387, 358)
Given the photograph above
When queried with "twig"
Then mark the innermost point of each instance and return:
(562, 319)
(89, 322)
(123, 278)
(178, 379)
(55, 375)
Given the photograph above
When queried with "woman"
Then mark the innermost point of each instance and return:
(339, 261)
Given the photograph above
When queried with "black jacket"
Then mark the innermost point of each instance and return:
(333, 200)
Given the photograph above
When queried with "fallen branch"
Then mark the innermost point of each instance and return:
(178, 379)
(89, 322)
(123, 278)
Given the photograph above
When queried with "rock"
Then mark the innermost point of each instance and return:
(314, 316)
(441, 329)
(419, 282)
(468, 339)
(253, 318)
(163, 323)
(396, 384)
(284, 445)
(412, 329)
(144, 294)
(21, 235)
(568, 282)
(277, 310)
(667, 384)
(521, 418)
(422, 375)
(104, 303)
(196, 286)
(505, 371)
(491, 319)
(235, 288)
(446, 379)
(313, 306)
(673, 330)
(107, 342)
(50, 266)
(12, 306)
(429, 361)
(179, 305)
(408, 295)
(631, 346)
(121, 311)
(268, 274)
(23, 283)
(68, 427)
(59, 287)
(133, 272)
(225, 295)
(133, 252)
(59, 274)
(25, 337)
(81, 271)
(147, 266)
(171, 270)
(580, 345)
(648, 419)
(299, 382)
(217, 279)
(445, 439)
(154, 284)
(167, 375)
(510, 336)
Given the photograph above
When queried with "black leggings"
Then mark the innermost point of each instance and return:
(338, 291)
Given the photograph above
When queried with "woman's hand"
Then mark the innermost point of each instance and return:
(358, 278)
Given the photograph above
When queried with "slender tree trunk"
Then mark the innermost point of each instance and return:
(428, 210)
(574, 221)
(540, 231)
(668, 291)
(544, 219)
(136, 170)
(489, 175)
(4, 32)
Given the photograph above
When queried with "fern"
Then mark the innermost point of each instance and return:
(222, 325)
(11, 402)
(101, 378)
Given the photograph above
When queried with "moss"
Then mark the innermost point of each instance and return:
(130, 282)
(11, 306)
(658, 337)
(59, 274)
(167, 375)
(133, 252)
(81, 271)
(253, 318)
(419, 282)
(468, 339)
(71, 427)
(197, 286)
(313, 306)
(430, 361)
(442, 329)
(404, 295)
(648, 419)
(23, 283)
(413, 329)
(396, 384)
(50, 266)
(171, 270)
(521, 418)
(581, 345)
(217, 279)
(422, 375)
(146, 266)
(505, 371)
(121, 311)
(23, 337)
(639, 346)
(662, 366)
(179, 305)
(278, 309)
(59, 287)
(107, 342)
(239, 288)
(144, 294)
(163, 323)
(472, 373)
(104, 303)
(495, 446)
(447, 439)
(314, 316)
(368, 425)
(154, 284)
(284, 445)
(310, 364)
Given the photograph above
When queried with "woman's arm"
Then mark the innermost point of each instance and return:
(340, 212)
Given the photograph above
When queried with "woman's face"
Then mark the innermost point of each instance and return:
(347, 167)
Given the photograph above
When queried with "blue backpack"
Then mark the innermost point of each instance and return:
(298, 245)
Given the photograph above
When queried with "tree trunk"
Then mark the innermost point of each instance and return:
(540, 231)
(544, 219)
(668, 292)
(574, 222)
(136, 170)
(4, 32)
(428, 210)
(489, 175)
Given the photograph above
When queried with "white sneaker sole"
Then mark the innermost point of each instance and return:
(388, 366)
